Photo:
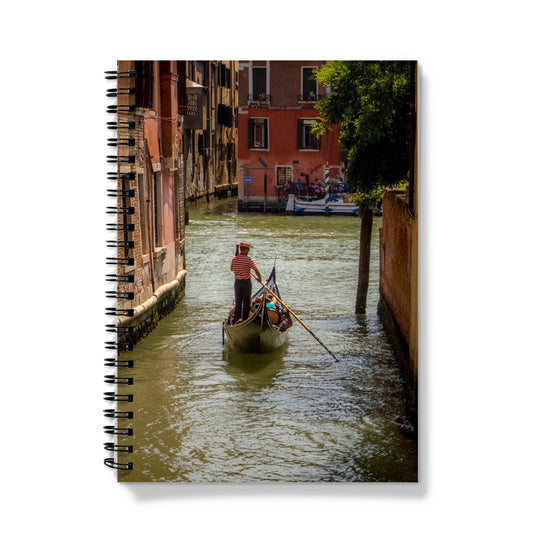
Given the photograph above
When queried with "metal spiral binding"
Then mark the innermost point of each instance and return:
(125, 278)
(115, 75)
(115, 193)
(113, 93)
(118, 448)
(121, 347)
(114, 210)
(121, 159)
(130, 124)
(126, 261)
(116, 108)
(111, 361)
(120, 142)
(121, 175)
(122, 229)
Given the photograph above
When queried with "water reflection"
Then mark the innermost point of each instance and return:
(256, 370)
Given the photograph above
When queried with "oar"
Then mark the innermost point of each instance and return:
(295, 316)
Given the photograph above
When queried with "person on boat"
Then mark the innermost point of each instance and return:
(318, 188)
(271, 304)
(241, 265)
(285, 320)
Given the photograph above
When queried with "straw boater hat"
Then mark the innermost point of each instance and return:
(244, 244)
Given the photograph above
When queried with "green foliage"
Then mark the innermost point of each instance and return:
(370, 102)
(369, 199)
(373, 197)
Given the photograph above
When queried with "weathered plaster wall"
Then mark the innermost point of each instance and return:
(399, 279)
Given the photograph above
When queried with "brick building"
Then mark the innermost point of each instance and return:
(150, 203)
(183, 133)
(276, 148)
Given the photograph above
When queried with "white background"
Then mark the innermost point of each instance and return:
(475, 289)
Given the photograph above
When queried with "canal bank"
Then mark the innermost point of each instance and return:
(145, 317)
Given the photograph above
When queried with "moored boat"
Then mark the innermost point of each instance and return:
(266, 327)
(333, 205)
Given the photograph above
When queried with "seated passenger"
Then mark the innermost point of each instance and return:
(286, 320)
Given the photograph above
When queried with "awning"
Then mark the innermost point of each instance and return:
(190, 83)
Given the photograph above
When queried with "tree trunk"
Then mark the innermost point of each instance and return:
(364, 261)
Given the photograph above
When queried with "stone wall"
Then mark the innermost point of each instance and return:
(147, 315)
(399, 281)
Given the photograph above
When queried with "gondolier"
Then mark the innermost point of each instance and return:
(241, 264)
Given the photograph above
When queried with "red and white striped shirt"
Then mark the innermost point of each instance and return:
(241, 265)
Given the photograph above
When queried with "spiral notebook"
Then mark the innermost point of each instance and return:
(209, 154)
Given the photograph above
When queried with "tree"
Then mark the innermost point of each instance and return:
(370, 100)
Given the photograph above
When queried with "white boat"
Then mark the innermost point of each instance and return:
(335, 204)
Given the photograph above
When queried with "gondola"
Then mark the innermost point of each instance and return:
(265, 330)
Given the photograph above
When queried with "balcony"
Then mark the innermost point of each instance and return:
(259, 100)
(309, 98)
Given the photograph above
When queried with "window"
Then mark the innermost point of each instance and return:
(259, 83)
(142, 213)
(306, 140)
(225, 115)
(157, 212)
(192, 105)
(144, 80)
(309, 84)
(224, 76)
(258, 133)
(283, 175)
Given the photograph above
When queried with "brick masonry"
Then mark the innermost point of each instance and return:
(399, 282)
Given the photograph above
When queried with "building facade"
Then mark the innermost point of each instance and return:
(209, 127)
(277, 152)
(150, 204)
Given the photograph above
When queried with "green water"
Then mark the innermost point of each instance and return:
(205, 415)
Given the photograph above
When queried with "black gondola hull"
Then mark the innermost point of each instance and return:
(254, 337)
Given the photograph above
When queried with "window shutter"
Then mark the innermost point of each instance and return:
(265, 144)
(144, 84)
(225, 115)
(229, 117)
(250, 133)
(299, 134)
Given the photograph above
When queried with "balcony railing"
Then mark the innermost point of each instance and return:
(261, 98)
(311, 97)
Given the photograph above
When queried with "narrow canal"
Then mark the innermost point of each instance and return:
(205, 415)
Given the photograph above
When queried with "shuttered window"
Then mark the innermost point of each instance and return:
(144, 84)
(259, 85)
(258, 133)
(224, 76)
(225, 115)
(309, 83)
(305, 139)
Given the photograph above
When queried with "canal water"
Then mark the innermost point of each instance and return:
(204, 414)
